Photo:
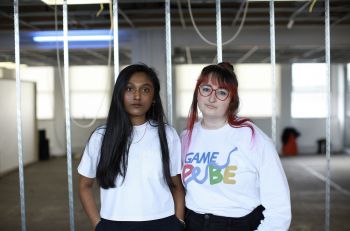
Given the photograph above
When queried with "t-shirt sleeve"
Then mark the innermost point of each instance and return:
(91, 155)
(175, 153)
(274, 191)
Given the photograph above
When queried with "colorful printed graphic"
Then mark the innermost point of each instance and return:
(213, 172)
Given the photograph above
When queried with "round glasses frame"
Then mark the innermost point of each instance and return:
(220, 93)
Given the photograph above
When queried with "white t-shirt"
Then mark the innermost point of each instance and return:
(144, 194)
(228, 172)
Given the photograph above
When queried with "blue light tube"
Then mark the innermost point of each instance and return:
(75, 36)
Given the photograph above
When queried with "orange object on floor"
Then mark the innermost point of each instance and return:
(290, 148)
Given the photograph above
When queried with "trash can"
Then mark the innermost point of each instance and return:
(321, 146)
(289, 141)
(43, 146)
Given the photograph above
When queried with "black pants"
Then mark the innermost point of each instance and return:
(210, 222)
(166, 224)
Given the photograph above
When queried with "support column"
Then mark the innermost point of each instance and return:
(148, 47)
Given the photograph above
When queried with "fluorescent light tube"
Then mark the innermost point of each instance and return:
(73, 35)
(80, 38)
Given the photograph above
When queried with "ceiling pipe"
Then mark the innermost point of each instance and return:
(182, 20)
(298, 11)
(248, 54)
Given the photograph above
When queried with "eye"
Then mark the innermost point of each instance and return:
(206, 89)
(146, 90)
(129, 89)
(222, 92)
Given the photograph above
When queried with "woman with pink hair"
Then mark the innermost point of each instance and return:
(232, 173)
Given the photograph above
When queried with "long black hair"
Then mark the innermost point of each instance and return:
(118, 130)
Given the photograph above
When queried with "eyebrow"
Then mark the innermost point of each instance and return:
(207, 84)
(143, 85)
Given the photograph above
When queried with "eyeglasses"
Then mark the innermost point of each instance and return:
(220, 93)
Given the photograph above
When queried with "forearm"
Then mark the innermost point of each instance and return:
(88, 203)
(178, 193)
(274, 192)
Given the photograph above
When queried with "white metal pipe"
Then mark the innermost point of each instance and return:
(328, 121)
(169, 78)
(19, 118)
(273, 71)
(67, 115)
(115, 39)
(218, 31)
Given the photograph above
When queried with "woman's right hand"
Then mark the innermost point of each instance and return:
(96, 225)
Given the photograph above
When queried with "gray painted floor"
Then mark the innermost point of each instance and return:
(46, 195)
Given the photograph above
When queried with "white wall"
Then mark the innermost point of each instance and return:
(57, 136)
(8, 125)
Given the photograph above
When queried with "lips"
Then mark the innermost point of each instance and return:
(137, 105)
(210, 106)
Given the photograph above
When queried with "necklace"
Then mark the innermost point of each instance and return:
(144, 132)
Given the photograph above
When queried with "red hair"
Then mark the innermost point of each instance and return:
(225, 77)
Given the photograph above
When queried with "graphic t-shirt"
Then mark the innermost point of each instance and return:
(144, 194)
(229, 172)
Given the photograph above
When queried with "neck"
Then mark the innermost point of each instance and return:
(216, 123)
(137, 120)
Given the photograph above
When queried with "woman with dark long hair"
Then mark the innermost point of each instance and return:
(232, 174)
(136, 160)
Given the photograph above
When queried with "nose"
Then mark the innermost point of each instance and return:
(137, 94)
(212, 97)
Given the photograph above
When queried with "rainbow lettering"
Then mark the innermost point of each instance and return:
(213, 172)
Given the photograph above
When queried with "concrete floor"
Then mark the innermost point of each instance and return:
(47, 208)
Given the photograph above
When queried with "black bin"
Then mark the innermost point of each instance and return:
(321, 146)
(44, 153)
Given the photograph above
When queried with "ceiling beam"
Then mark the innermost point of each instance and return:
(22, 22)
(95, 54)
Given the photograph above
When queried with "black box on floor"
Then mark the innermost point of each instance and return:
(44, 153)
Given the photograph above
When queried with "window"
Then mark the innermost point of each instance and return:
(186, 76)
(44, 79)
(90, 91)
(309, 90)
(255, 89)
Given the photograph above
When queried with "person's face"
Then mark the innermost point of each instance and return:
(213, 101)
(138, 97)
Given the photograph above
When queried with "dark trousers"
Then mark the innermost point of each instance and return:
(210, 222)
(166, 224)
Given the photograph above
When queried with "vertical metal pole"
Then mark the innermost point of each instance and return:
(19, 118)
(169, 78)
(218, 31)
(67, 114)
(328, 121)
(115, 39)
(273, 71)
